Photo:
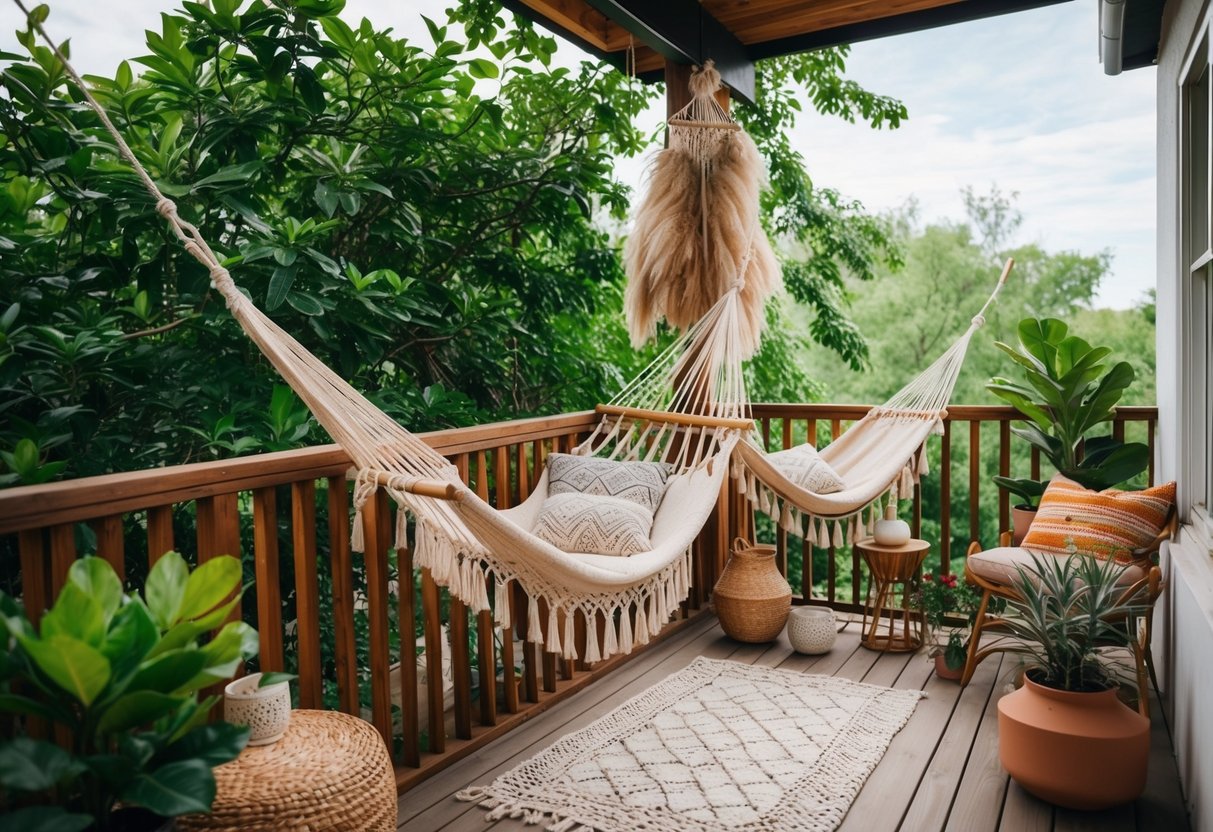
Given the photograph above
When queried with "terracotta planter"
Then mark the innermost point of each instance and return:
(1078, 750)
(752, 599)
(944, 672)
(1022, 518)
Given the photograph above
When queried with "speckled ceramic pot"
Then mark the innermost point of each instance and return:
(266, 711)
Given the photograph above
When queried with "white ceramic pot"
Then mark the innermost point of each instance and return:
(812, 630)
(892, 531)
(266, 711)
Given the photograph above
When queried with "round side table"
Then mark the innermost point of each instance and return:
(893, 571)
(330, 771)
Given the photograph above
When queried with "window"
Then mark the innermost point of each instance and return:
(1196, 293)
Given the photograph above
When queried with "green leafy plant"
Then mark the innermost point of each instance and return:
(120, 675)
(944, 600)
(1068, 390)
(1070, 612)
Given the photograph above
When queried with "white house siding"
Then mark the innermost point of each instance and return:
(1184, 636)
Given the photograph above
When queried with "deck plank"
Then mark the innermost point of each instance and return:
(932, 801)
(983, 786)
(940, 771)
(890, 789)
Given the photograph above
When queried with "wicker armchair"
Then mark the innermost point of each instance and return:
(994, 573)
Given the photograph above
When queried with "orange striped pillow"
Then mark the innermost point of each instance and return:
(1102, 523)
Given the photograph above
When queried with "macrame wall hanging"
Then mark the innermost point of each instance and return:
(697, 233)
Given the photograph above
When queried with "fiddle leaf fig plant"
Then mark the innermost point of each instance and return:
(1067, 390)
(120, 677)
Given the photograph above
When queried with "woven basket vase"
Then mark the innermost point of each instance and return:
(752, 599)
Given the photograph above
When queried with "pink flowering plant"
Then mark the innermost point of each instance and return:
(944, 600)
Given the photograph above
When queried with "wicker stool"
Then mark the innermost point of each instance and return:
(330, 771)
(892, 568)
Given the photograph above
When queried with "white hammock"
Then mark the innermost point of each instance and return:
(467, 544)
(881, 458)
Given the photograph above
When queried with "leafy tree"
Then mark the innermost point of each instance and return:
(433, 221)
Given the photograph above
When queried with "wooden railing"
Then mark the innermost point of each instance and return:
(371, 635)
(962, 461)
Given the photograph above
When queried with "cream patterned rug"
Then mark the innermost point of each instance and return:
(717, 746)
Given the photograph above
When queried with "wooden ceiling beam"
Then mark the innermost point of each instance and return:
(684, 32)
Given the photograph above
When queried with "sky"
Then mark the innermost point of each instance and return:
(1018, 101)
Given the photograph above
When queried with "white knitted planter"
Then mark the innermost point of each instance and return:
(266, 711)
(812, 629)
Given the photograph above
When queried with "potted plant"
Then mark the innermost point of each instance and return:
(1064, 735)
(943, 601)
(116, 678)
(1068, 389)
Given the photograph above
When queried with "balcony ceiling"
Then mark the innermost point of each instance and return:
(735, 33)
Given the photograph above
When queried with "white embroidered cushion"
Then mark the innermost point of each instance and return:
(642, 483)
(594, 524)
(805, 467)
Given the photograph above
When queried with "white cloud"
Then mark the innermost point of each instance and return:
(1018, 100)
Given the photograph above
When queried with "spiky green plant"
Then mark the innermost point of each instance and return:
(1069, 615)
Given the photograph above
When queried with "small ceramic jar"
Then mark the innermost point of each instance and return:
(892, 531)
(812, 630)
(266, 711)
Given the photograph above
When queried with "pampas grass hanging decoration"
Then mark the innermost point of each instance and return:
(698, 221)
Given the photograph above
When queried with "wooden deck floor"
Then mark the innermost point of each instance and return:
(941, 771)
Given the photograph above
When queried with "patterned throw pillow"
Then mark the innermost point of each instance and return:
(594, 524)
(1103, 523)
(805, 467)
(642, 483)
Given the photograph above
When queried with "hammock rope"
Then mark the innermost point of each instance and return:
(879, 459)
(478, 551)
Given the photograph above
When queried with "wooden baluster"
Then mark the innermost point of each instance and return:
(538, 454)
(410, 751)
(376, 527)
(781, 535)
(35, 575)
(218, 520)
(508, 678)
(268, 587)
(548, 659)
(341, 564)
(524, 488)
(63, 555)
(1118, 430)
(945, 499)
(1150, 428)
(484, 621)
(1035, 463)
(110, 542)
(916, 512)
(159, 533)
(501, 487)
(766, 433)
(461, 670)
(806, 545)
(1004, 470)
(433, 663)
(974, 480)
(307, 594)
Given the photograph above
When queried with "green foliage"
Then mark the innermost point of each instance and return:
(1069, 390)
(1068, 614)
(120, 675)
(942, 598)
(431, 220)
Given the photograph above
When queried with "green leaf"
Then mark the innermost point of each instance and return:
(174, 789)
(211, 584)
(482, 68)
(305, 303)
(165, 589)
(11, 703)
(310, 89)
(131, 637)
(280, 285)
(97, 578)
(47, 819)
(214, 744)
(169, 672)
(76, 667)
(273, 677)
(28, 765)
(75, 615)
(140, 707)
(1040, 338)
